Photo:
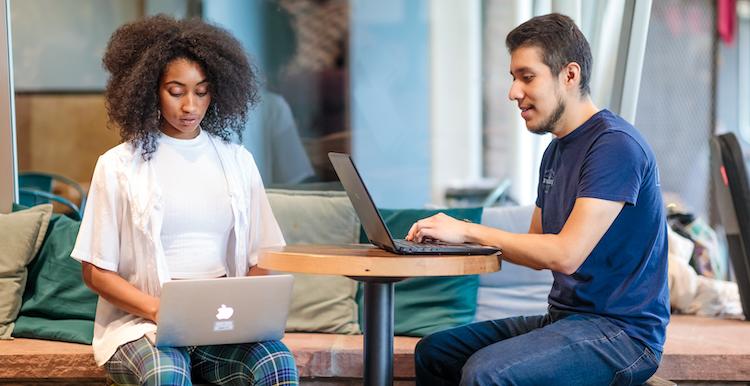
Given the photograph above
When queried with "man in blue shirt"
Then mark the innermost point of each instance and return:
(599, 226)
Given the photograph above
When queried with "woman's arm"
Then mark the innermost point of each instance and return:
(116, 290)
(256, 271)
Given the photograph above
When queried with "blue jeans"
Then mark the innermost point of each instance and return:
(554, 349)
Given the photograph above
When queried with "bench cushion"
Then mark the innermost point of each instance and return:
(514, 290)
(319, 303)
(56, 303)
(21, 236)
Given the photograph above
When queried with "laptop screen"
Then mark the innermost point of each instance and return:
(359, 196)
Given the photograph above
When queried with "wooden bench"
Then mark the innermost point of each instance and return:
(704, 349)
(697, 350)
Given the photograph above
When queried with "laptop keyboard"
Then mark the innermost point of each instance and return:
(438, 247)
(425, 243)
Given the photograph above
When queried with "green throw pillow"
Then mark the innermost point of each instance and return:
(21, 235)
(320, 303)
(57, 305)
(428, 304)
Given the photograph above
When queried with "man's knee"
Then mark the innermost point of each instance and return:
(436, 362)
(427, 350)
(422, 349)
(496, 367)
(480, 371)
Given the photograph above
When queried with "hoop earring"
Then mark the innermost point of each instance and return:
(215, 109)
(158, 115)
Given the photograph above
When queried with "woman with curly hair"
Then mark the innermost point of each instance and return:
(175, 200)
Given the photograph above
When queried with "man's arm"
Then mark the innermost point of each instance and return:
(535, 228)
(563, 252)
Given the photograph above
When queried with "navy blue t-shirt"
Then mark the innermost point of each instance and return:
(625, 276)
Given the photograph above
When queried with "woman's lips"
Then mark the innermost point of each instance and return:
(189, 121)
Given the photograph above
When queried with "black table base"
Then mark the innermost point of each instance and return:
(377, 328)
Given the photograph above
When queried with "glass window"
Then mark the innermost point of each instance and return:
(415, 90)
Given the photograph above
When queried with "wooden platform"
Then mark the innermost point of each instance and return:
(697, 350)
(703, 349)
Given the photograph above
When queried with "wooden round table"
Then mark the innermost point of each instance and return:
(378, 270)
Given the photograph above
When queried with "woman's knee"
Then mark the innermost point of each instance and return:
(272, 363)
(139, 362)
(276, 350)
(166, 367)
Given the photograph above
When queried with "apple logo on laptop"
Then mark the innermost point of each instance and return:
(224, 312)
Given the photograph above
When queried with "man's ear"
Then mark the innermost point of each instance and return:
(571, 75)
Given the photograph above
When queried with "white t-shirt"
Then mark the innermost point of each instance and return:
(197, 215)
(123, 220)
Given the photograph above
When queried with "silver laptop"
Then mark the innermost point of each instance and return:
(374, 226)
(223, 311)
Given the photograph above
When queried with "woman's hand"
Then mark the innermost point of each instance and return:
(440, 227)
(153, 314)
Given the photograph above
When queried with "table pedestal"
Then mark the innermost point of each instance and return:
(378, 330)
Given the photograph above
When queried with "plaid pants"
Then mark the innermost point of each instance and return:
(262, 363)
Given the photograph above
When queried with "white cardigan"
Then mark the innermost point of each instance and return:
(121, 228)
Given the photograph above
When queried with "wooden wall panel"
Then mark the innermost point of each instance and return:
(62, 133)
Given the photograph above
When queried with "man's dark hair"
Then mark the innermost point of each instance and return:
(136, 58)
(560, 41)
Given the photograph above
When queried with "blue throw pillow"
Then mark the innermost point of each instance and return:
(428, 304)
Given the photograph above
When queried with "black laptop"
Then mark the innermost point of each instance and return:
(374, 226)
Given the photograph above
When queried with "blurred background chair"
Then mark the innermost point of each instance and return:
(66, 195)
(732, 198)
(484, 193)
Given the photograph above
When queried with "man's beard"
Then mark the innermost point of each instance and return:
(548, 126)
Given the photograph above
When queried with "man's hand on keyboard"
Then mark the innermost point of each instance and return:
(439, 227)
